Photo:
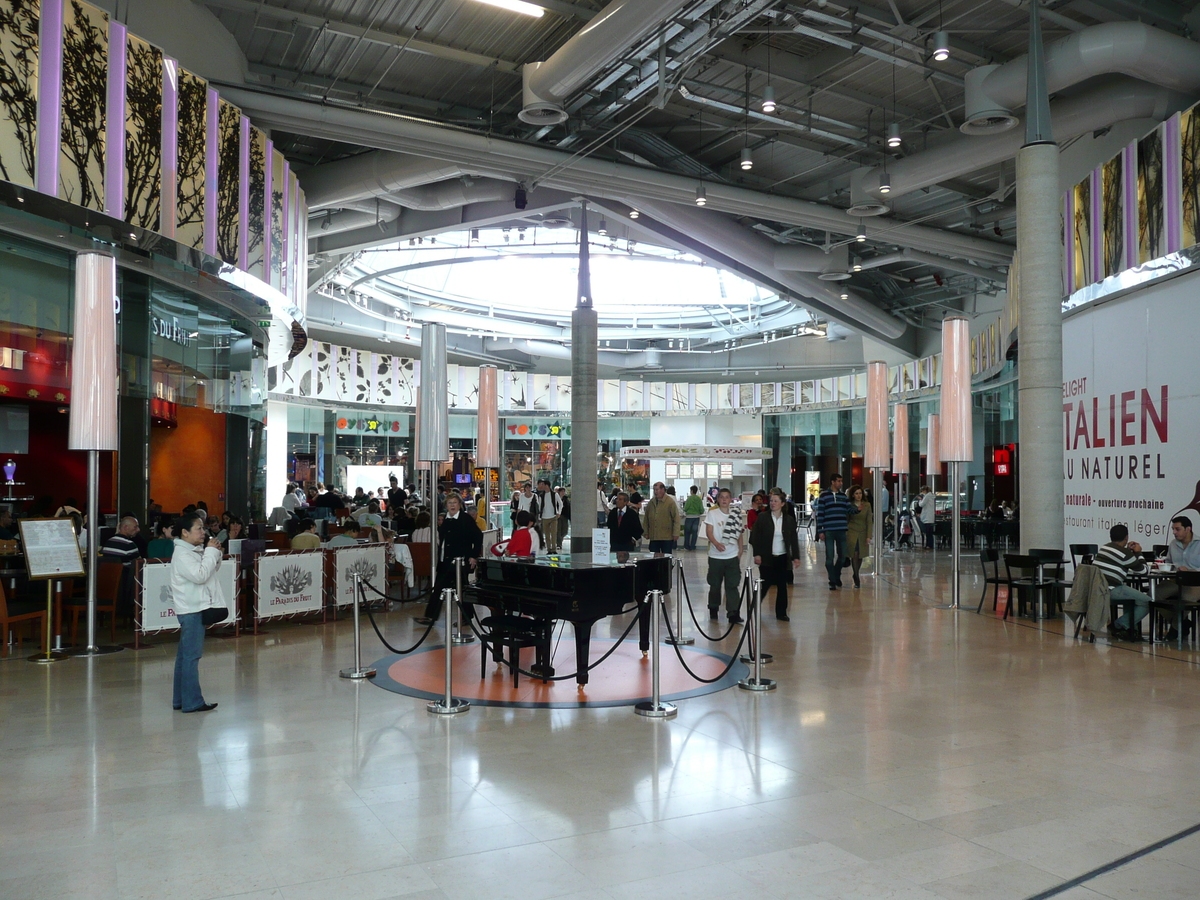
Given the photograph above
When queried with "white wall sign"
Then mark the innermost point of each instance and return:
(289, 583)
(1131, 415)
(369, 561)
(158, 610)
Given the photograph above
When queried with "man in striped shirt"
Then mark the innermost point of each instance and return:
(833, 518)
(1117, 559)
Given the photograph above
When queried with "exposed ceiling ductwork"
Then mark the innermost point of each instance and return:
(616, 28)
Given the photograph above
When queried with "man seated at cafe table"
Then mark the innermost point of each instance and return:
(1117, 560)
(122, 546)
(1183, 552)
(348, 537)
(306, 538)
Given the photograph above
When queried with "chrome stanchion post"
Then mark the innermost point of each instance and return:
(358, 671)
(753, 652)
(655, 708)
(679, 639)
(956, 536)
(757, 683)
(449, 705)
(461, 635)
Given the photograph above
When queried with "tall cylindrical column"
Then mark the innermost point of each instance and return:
(875, 455)
(487, 446)
(956, 439)
(933, 450)
(900, 455)
(584, 355)
(1039, 337)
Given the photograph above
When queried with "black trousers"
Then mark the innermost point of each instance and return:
(443, 579)
(777, 570)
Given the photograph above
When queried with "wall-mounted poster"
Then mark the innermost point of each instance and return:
(256, 218)
(1112, 192)
(1151, 227)
(157, 609)
(288, 584)
(368, 561)
(1189, 128)
(228, 168)
(19, 21)
(143, 133)
(84, 99)
(1082, 233)
(192, 130)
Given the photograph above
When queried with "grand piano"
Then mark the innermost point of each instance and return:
(573, 588)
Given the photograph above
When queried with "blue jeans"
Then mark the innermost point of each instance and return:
(691, 533)
(1141, 605)
(835, 552)
(187, 663)
(601, 519)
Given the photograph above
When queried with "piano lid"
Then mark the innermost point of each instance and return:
(576, 561)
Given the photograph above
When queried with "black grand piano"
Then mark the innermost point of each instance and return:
(572, 588)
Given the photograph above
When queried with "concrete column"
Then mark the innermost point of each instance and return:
(1039, 342)
(584, 344)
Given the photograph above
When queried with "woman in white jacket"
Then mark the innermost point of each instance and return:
(194, 588)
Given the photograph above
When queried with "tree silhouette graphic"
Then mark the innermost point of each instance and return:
(18, 89)
(291, 580)
(84, 88)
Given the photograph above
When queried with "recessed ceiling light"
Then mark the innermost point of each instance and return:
(517, 6)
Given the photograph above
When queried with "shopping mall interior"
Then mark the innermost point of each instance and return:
(940, 249)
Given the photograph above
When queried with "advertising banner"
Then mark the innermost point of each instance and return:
(158, 610)
(1131, 415)
(368, 561)
(289, 584)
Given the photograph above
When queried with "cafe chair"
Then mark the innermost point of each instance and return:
(992, 558)
(1160, 550)
(1175, 612)
(1082, 554)
(19, 612)
(1021, 577)
(108, 589)
(422, 557)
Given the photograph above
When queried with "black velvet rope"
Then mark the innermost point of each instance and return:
(362, 598)
(736, 653)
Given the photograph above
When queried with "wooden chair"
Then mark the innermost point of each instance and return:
(108, 588)
(18, 612)
(992, 558)
(422, 555)
(278, 540)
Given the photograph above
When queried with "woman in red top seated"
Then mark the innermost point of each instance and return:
(525, 540)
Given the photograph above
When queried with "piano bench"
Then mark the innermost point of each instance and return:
(513, 633)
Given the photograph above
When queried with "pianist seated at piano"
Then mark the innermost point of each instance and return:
(624, 526)
(525, 541)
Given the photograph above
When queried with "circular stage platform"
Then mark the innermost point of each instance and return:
(621, 680)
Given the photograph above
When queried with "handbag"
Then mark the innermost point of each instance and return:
(214, 614)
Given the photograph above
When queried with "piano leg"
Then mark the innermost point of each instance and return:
(583, 649)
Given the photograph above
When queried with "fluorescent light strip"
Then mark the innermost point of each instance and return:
(517, 6)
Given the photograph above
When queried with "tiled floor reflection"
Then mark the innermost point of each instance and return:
(910, 752)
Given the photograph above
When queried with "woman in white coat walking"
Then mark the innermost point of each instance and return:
(194, 588)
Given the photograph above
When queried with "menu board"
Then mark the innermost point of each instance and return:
(685, 470)
(726, 470)
(714, 470)
(51, 549)
(672, 470)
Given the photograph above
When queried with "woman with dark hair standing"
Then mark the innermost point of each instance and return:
(194, 588)
(776, 548)
(858, 534)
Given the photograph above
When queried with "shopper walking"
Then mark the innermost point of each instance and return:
(858, 535)
(833, 517)
(776, 548)
(726, 531)
(194, 588)
(693, 512)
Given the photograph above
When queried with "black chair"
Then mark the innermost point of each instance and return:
(1179, 610)
(1025, 587)
(991, 557)
(512, 633)
(1082, 554)
(1160, 550)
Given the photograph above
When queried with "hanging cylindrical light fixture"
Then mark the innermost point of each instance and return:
(633, 214)
(894, 138)
(94, 371)
(885, 183)
(941, 46)
(701, 196)
(956, 430)
(768, 99)
(933, 453)
(603, 229)
(861, 234)
(747, 159)
(487, 447)
(433, 414)
(875, 455)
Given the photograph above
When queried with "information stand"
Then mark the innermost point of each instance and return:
(51, 552)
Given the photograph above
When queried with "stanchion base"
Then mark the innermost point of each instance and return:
(749, 684)
(765, 657)
(52, 656)
(357, 673)
(103, 650)
(679, 641)
(439, 707)
(464, 637)
(662, 711)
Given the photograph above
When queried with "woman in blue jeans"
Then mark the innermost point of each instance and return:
(194, 588)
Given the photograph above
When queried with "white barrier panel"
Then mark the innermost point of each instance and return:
(158, 610)
(289, 584)
(368, 561)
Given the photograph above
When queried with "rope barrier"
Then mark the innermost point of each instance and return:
(687, 668)
(378, 633)
(696, 621)
(426, 593)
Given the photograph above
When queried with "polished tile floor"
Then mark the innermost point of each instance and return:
(909, 752)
